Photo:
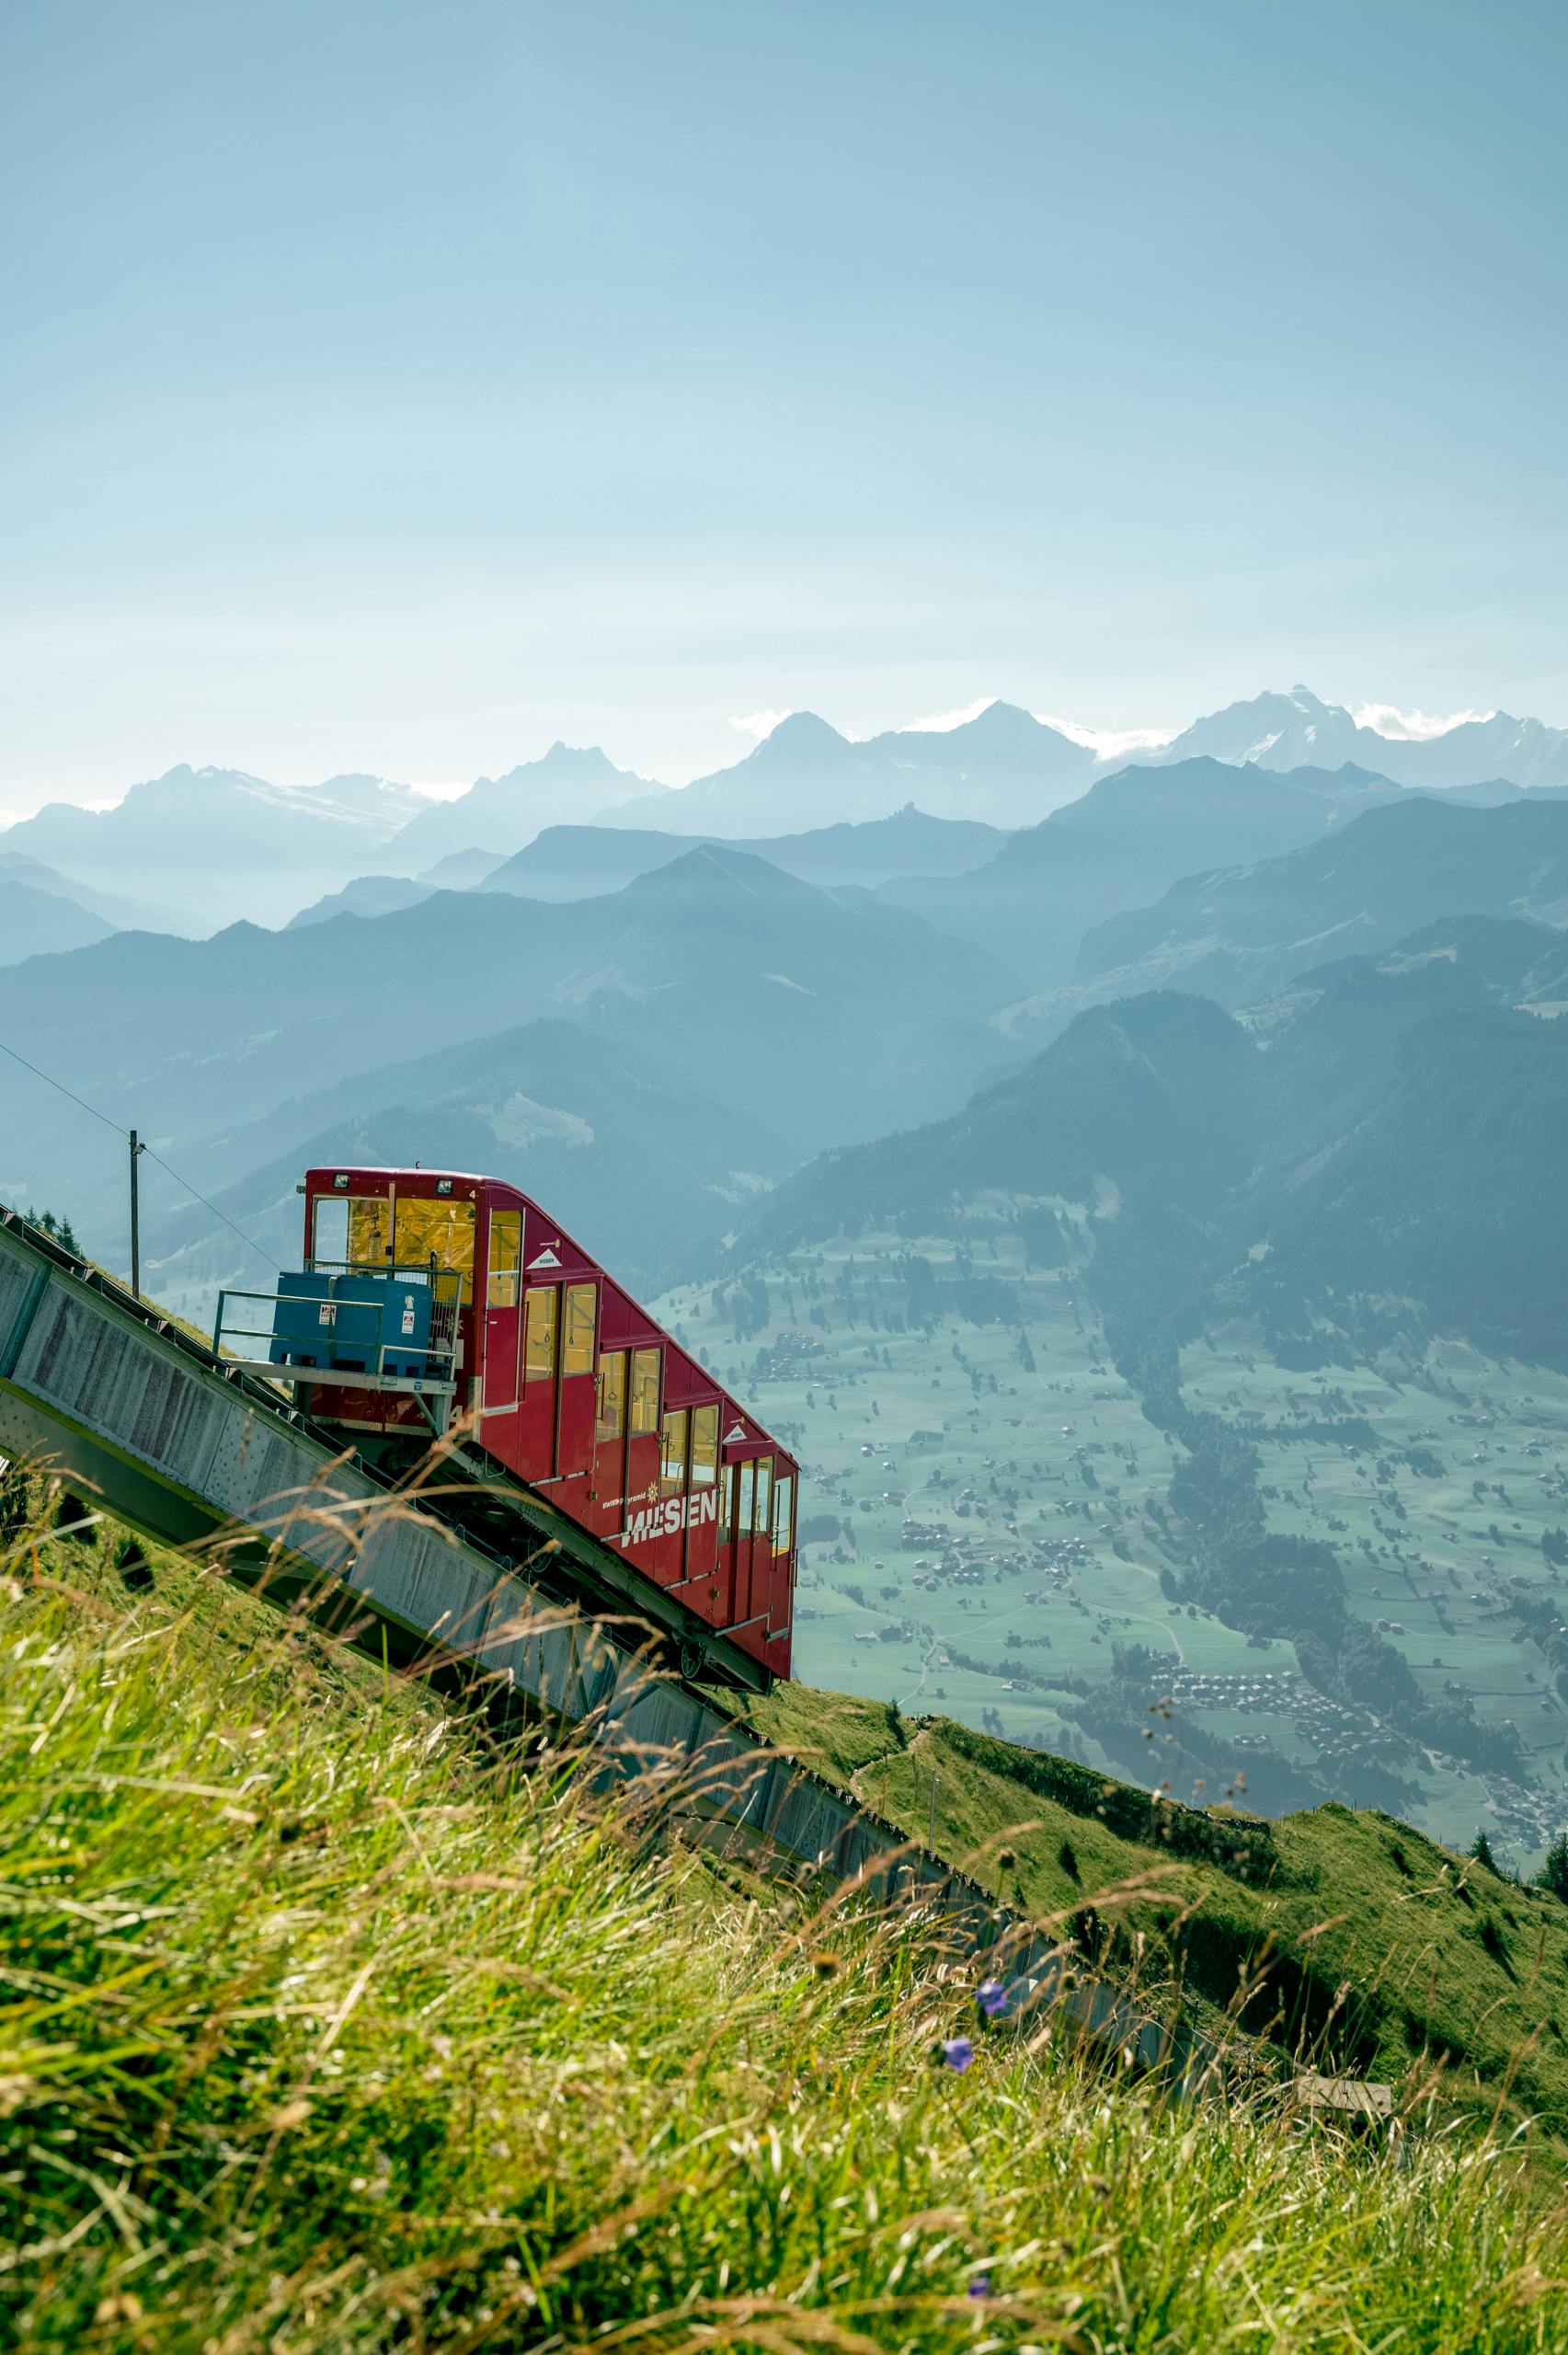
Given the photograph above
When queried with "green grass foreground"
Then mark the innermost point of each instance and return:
(322, 2027)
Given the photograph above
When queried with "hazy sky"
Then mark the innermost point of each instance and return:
(402, 386)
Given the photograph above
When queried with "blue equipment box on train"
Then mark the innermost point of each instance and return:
(353, 1323)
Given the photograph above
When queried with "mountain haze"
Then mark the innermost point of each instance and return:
(568, 784)
(1003, 768)
(813, 1013)
(580, 862)
(1241, 932)
(558, 1109)
(1125, 842)
(36, 923)
(219, 841)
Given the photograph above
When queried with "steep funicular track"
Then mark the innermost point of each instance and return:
(108, 1393)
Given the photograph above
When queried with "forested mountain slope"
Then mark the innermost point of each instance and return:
(1123, 843)
(1245, 930)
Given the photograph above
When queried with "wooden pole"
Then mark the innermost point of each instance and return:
(135, 1221)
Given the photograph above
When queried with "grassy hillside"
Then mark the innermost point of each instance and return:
(327, 2029)
(1409, 1965)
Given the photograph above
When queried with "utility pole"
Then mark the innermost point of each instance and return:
(136, 1151)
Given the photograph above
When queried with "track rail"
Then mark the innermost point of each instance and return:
(118, 1400)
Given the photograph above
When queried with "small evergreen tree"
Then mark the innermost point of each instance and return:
(59, 1228)
(1481, 1849)
(1554, 1874)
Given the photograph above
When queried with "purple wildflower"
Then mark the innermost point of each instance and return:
(958, 2051)
(991, 1997)
(981, 2286)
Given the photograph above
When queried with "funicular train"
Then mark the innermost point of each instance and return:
(437, 1303)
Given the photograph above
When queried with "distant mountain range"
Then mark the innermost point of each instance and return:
(217, 843)
(809, 1015)
(1004, 767)
(1008, 768)
(819, 1012)
(585, 862)
(580, 862)
(1299, 731)
(500, 814)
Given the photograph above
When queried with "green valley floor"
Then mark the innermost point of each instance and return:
(988, 1528)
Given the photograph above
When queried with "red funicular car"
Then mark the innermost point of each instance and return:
(430, 1300)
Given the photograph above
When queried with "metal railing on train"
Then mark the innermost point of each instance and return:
(328, 1327)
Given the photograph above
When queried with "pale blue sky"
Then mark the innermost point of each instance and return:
(404, 385)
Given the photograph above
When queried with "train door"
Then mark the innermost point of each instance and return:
(669, 1546)
(610, 1439)
(779, 1596)
(503, 1310)
(574, 1430)
(761, 1547)
(702, 1513)
(642, 1431)
(540, 1343)
(745, 1500)
(723, 1565)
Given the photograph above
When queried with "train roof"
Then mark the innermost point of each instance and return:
(757, 1435)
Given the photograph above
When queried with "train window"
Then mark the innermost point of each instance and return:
(746, 1484)
(645, 1392)
(764, 1495)
(441, 1231)
(505, 1258)
(783, 1509)
(329, 1230)
(704, 1446)
(672, 1454)
(610, 1421)
(727, 1504)
(539, 1333)
(577, 1338)
(370, 1231)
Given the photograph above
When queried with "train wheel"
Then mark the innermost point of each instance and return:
(693, 1660)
